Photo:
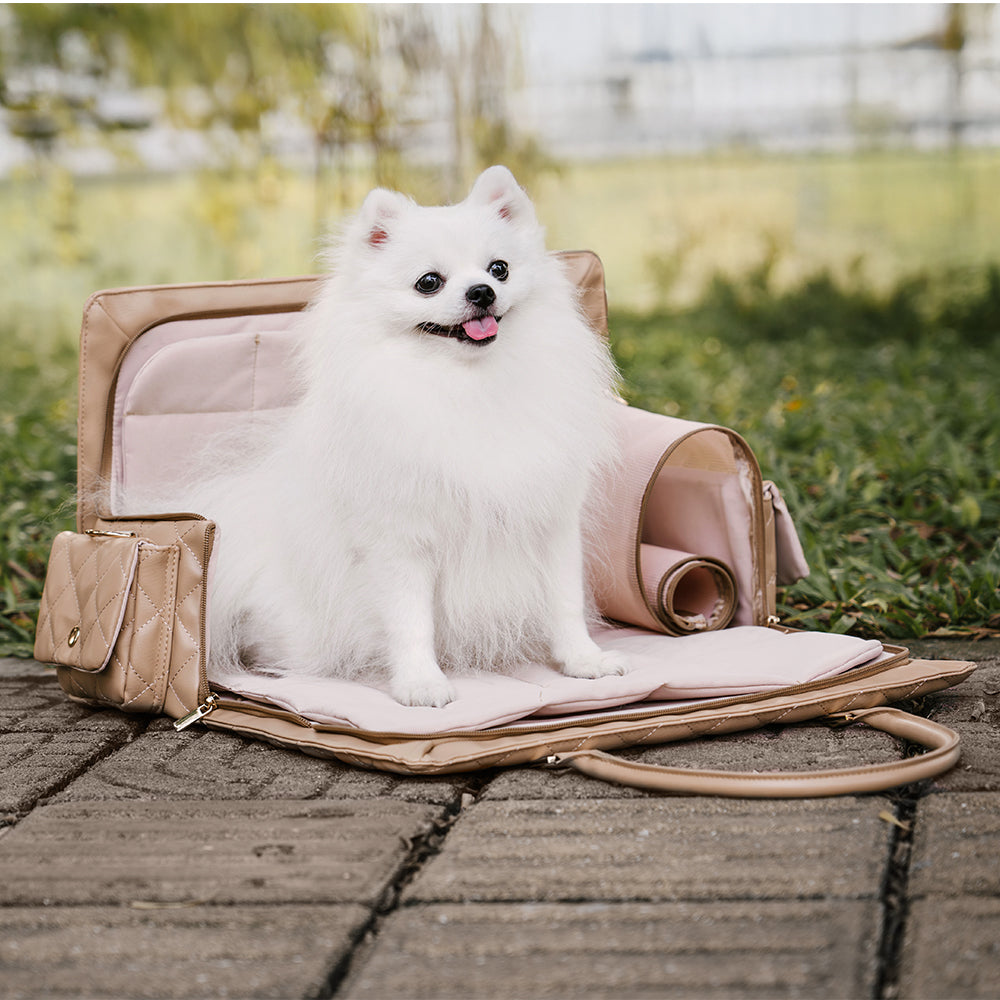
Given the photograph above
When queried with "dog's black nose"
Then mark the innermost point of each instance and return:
(481, 295)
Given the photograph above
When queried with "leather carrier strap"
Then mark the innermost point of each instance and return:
(941, 742)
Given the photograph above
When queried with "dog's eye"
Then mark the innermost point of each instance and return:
(429, 283)
(499, 270)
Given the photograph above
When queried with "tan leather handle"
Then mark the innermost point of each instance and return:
(942, 743)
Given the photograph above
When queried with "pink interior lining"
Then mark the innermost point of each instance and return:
(704, 511)
(184, 380)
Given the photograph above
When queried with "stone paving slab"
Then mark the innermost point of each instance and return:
(214, 852)
(978, 769)
(977, 650)
(659, 849)
(956, 849)
(207, 764)
(578, 888)
(974, 709)
(45, 739)
(710, 950)
(974, 700)
(191, 952)
(952, 949)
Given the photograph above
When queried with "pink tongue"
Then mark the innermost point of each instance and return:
(481, 329)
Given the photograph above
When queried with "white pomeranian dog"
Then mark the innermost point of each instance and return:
(420, 510)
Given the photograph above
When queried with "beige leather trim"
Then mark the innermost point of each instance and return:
(585, 270)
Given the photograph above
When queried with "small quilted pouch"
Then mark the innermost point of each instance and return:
(107, 614)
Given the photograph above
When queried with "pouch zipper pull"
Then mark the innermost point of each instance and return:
(208, 705)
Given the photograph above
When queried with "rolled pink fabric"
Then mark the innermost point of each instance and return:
(690, 593)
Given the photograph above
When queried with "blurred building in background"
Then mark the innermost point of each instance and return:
(802, 77)
(575, 80)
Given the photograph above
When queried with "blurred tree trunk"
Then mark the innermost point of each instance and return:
(953, 41)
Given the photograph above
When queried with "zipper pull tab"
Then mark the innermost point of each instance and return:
(208, 705)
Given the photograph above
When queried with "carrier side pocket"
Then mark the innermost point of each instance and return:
(106, 618)
(790, 560)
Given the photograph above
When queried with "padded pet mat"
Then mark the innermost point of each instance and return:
(741, 660)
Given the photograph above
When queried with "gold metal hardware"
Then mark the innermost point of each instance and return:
(110, 534)
(74, 636)
(208, 705)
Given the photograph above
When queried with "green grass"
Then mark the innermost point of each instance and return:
(37, 480)
(877, 415)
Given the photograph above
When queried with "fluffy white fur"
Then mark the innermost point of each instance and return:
(421, 505)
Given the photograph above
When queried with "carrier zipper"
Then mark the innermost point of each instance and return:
(208, 705)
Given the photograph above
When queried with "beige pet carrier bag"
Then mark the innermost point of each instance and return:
(696, 546)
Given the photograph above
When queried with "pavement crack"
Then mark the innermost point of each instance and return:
(894, 897)
(44, 795)
(421, 849)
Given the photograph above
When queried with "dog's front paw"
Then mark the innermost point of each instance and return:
(595, 662)
(428, 692)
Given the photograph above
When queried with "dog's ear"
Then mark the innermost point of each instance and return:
(378, 212)
(496, 186)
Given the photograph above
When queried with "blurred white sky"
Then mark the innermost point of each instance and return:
(568, 39)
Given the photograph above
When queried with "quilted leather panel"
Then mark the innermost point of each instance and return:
(158, 663)
(185, 683)
(136, 673)
(140, 663)
(84, 600)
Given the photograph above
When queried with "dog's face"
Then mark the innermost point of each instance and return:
(453, 273)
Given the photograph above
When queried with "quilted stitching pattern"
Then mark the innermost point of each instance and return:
(84, 599)
(135, 676)
(142, 656)
(158, 661)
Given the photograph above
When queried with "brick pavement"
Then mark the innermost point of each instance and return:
(138, 862)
